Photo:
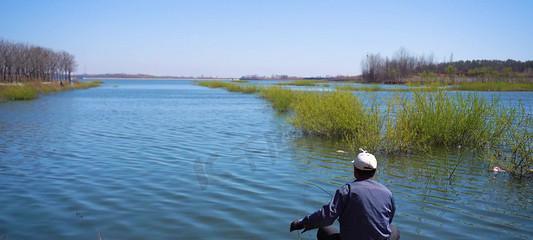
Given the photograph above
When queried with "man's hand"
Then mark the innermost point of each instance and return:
(297, 225)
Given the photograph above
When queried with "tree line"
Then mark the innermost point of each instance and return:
(402, 65)
(25, 62)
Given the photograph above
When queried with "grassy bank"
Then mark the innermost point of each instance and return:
(493, 86)
(373, 88)
(438, 85)
(32, 90)
(239, 81)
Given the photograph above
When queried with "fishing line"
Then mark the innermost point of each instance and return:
(321, 188)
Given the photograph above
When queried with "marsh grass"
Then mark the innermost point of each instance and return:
(17, 92)
(417, 122)
(371, 88)
(239, 81)
(493, 86)
(212, 84)
(308, 83)
(377, 88)
(232, 87)
(84, 85)
(515, 150)
(31, 90)
(280, 98)
(337, 115)
(439, 119)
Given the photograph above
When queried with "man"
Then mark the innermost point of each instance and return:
(364, 207)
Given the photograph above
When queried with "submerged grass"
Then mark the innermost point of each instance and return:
(493, 86)
(31, 90)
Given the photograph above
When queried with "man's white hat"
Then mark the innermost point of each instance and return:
(365, 161)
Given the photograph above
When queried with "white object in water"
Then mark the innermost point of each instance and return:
(497, 169)
(341, 151)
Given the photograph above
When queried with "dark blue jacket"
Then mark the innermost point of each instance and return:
(364, 208)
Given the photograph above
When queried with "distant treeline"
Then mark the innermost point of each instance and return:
(287, 77)
(403, 65)
(25, 62)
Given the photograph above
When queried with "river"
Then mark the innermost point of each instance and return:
(152, 159)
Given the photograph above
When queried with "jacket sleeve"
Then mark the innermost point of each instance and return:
(393, 210)
(329, 212)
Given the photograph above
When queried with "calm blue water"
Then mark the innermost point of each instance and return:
(168, 159)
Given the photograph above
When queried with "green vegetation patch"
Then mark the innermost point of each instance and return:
(308, 83)
(439, 119)
(419, 122)
(337, 115)
(493, 86)
(31, 90)
(280, 98)
(17, 92)
(232, 87)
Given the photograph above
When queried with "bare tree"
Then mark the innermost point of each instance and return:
(23, 62)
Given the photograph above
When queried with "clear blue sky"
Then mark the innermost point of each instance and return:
(232, 38)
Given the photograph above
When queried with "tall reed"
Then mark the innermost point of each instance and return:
(441, 120)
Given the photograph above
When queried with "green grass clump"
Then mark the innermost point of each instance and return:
(377, 88)
(515, 151)
(280, 98)
(239, 81)
(493, 86)
(84, 85)
(213, 84)
(241, 89)
(372, 88)
(31, 90)
(232, 87)
(438, 119)
(308, 83)
(338, 115)
(17, 92)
